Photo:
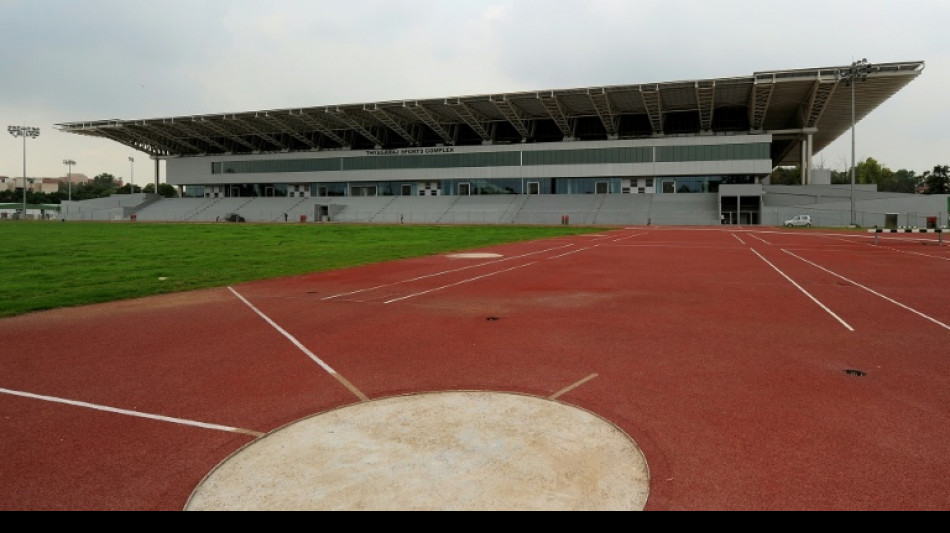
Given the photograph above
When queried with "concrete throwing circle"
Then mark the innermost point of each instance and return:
(476, 256)
(464, 451)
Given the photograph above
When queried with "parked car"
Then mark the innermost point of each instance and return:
(800, 221)
(234, 217)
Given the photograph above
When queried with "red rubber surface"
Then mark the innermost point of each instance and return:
(730, 379)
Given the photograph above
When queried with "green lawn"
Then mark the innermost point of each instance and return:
(47, 265)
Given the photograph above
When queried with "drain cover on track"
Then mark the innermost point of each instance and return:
(440, 451)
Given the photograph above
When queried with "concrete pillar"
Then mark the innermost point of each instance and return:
(804, 162)
(157, 162)
(810, 158)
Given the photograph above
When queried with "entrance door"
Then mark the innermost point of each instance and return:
(534, 188)
(601, 187)
(465, 189)
(407, 190)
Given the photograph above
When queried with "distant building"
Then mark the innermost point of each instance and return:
(41, 185)
(75, 179)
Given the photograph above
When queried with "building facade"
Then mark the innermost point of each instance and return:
(651, 166)
(659, 139)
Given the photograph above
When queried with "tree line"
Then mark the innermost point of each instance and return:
(102, 186)
(870, 171)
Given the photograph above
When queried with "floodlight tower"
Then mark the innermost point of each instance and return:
(69, 176)
(858, 71)
(25, 132)
(132, 178)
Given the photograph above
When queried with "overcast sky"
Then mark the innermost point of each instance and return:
(85, 60)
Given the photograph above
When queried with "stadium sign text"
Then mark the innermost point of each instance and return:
(413, 151)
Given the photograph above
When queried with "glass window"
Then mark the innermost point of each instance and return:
(728, 152)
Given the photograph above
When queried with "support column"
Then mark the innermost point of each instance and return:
(804, 162)
(157, 162)
(810, 158)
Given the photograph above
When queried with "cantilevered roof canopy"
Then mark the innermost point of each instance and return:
(786, 103)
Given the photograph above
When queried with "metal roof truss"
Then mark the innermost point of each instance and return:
(787, 103)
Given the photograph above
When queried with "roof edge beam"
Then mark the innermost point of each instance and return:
(512, 115)
(471, 118)
(180, 126)
(430, 120)
(818, 101)
(205, 123)
(289, 130)
(254, 130)
(654, 107)
(157, 129)
(130, 130)
(762, 91)
(344, 117)
(320, 127)
(706, 101)
(601, 102)
(556, 111)
(387, 119)
(111, 134)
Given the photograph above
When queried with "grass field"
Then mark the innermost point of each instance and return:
(48, 265)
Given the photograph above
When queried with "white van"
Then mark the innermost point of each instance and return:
(799, 222)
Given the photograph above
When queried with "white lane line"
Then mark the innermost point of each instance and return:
(459, 283)
(872, 291)
(806, 293)
(443, 273)
(851, 240)
(671, 246)
(629, 237)
(568, 254)
(832, 248)
(303, 348)
(575, 386)
(756, 237)
(135, 414)
(888, 248)
(739, 239)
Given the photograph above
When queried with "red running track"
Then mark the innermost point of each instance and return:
(722, 352)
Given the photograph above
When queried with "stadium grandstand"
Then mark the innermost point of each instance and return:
(696, 152)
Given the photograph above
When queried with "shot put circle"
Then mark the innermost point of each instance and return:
(435, 451)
